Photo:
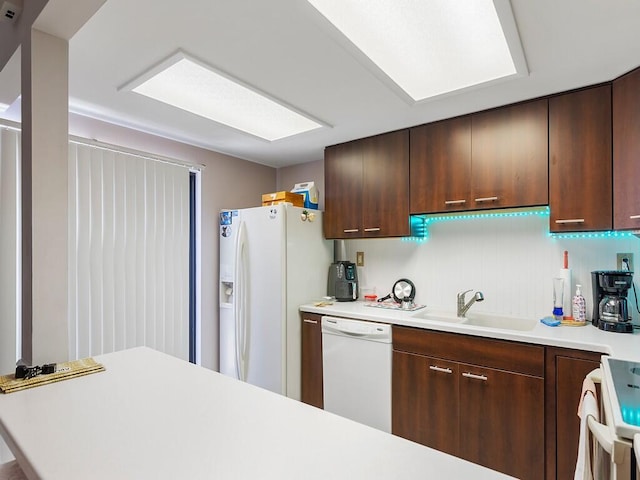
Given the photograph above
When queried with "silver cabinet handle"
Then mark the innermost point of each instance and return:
(571, 220)
(474, 376)
(634, 217)
(454, 202)
(308, 320)
(373, 229)
(350, 230)
(486, 199)
(440, 369)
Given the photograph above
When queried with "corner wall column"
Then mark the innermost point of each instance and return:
(45, 146)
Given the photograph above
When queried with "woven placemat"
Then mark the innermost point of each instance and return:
(64, 371)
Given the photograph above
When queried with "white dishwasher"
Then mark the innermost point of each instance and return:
(356, 362)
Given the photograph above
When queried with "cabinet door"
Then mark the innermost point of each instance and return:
(502, 421)
(626, 148)
(509, 156)
(311, 368)
(440, 166)
(385, 192)
(425, 401)
(565, 372)
(580, 160)
(343, 190)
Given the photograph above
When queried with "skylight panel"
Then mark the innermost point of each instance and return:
(195, 87)
(429, 48)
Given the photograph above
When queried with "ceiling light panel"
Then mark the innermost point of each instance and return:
(190, 85)
(428, 48)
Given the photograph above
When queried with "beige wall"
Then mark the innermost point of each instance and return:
(305, 172)
(227, 182)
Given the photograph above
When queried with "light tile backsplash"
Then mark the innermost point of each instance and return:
(512, 260)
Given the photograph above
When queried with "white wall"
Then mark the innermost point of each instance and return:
(511, 260)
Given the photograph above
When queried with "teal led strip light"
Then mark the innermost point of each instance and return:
(419, 233)
(419, 223)
(544, 211)
(607, 234)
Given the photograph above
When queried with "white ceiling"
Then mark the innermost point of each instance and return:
(285, 48)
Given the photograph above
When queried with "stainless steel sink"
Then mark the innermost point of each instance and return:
(439, 317)
(500, 322)
(475, 319)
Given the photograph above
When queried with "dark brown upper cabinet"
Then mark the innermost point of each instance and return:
(440, 166)
(509, 156)
(580, 164)
(367, 187)
(492, 159)
(343, 190)
(626, 151)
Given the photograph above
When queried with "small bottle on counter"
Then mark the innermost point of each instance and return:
(579, 306)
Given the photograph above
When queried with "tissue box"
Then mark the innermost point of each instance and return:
(310, 192)
(281, 197)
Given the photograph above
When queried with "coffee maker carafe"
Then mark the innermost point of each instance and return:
(610, 309)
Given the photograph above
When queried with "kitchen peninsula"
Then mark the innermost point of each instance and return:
(152, 416)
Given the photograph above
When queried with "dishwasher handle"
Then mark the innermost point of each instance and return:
(377, 332)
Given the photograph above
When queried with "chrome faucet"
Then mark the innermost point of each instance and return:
(464, 308)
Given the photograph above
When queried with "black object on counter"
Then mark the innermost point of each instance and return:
(26, 372)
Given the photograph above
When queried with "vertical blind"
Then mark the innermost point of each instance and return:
(129, 253)
(10, 301)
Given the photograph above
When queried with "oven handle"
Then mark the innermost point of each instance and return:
(604, 434)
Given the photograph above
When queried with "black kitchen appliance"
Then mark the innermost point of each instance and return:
(342, 282)
(610, 308)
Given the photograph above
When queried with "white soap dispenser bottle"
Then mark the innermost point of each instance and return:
(579, 306)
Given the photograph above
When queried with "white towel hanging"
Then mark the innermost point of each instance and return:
(611, 453)
(588, 408)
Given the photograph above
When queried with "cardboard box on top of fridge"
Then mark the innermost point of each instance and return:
(282, 197)
(310, 192)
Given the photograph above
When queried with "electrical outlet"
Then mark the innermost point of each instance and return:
(621, 264)
(360, 259)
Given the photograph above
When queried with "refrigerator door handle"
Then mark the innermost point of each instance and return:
(241, 310)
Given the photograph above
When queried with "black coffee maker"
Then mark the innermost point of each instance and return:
(610, 309)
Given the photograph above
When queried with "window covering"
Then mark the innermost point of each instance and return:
(129, 252)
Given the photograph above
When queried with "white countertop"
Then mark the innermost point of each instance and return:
(152, 416)
(621, 345)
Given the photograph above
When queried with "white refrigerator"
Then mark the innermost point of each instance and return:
(272, 260)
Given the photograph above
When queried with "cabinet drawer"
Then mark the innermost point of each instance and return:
(499, 354)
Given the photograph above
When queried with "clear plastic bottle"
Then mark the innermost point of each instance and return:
(579, 306)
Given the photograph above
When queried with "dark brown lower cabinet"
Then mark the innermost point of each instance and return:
(565, 371)
(311, 369)
(491, 414)
(424, 392)
(502, 421)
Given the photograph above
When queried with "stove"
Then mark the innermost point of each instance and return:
(622, 381)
